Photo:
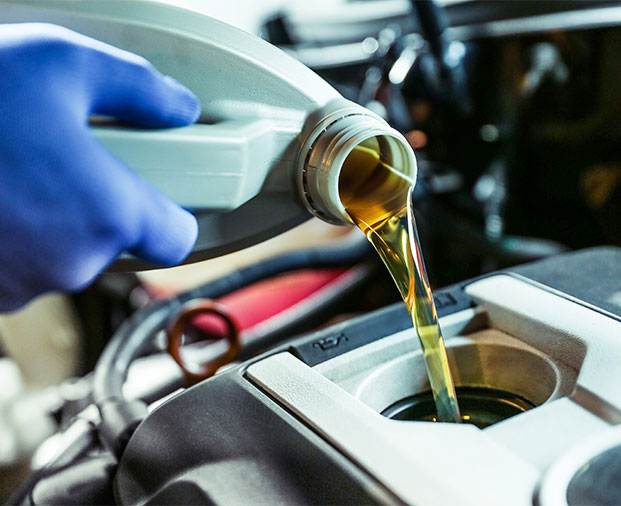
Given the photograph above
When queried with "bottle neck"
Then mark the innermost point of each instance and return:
(337, 142)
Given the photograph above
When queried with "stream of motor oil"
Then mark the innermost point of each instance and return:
(378, 199)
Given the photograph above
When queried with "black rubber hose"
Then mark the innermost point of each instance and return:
(79, 439)
(135, 334)
(433, 25)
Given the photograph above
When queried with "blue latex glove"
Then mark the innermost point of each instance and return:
(67, 206)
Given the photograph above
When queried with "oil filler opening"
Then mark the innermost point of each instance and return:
(480, 406)
(496, 377)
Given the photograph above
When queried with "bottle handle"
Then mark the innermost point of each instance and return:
(215, 167)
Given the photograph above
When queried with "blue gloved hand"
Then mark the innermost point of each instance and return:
(67, 206)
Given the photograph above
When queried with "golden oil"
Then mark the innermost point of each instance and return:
(377, 196)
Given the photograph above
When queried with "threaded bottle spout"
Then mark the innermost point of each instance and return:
(338, 142)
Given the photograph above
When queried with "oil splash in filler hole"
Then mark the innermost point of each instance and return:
(377, 196)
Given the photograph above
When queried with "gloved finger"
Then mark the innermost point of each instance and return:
(167, 232)
(129, 88)
(155, 228)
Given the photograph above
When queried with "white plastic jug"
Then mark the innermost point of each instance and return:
(272, 135)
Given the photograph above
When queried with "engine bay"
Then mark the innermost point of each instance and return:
(288, 372)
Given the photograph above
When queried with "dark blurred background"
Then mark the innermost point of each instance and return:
(512, 107)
